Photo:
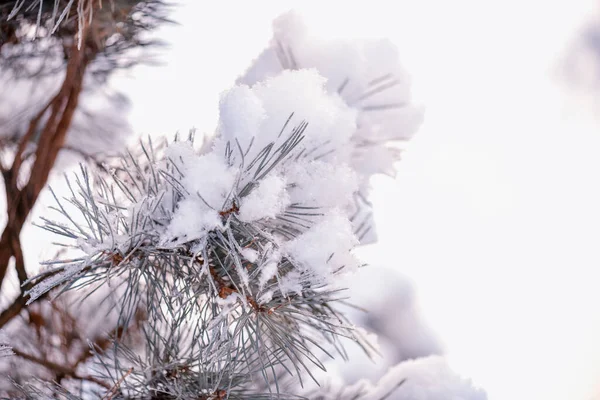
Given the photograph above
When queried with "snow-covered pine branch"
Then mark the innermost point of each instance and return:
(368, 77)
(226, 261)
(252, 233)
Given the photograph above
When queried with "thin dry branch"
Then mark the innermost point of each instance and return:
(20, 201)
(115, 387)
(63, 370)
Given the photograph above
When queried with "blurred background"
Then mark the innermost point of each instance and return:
(489, 235)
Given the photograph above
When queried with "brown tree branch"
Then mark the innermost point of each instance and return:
(61, 369)
(19, 261)
(13, 310)
(18, 159)
(20, 201)
(115, 388)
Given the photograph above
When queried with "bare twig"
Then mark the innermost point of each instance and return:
(20, 201)
(115, 388)
(62, 369)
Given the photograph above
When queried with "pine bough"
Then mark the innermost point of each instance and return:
(233, 251)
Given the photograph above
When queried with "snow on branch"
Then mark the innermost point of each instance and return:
(364, 74)
(245, 228)
(428, 378)
(234, 254)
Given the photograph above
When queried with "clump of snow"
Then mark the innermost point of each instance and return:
(278, 106)
(191, 221)
(267, 200)
(241, 115)
(208, 181)
(366, 75)
(428, 378)
(325, 247)
(211, 178)
(270, 135)
(321, 184)
(181, 153)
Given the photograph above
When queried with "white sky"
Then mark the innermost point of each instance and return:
(495, 213)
